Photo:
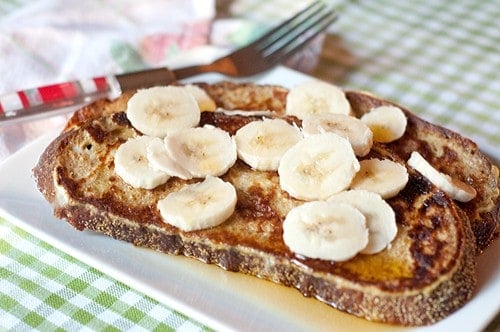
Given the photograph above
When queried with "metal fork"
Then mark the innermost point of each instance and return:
(269, 50)
(273, 47)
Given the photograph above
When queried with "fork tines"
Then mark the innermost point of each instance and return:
(292, 34)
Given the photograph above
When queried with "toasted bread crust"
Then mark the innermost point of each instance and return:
(412, 306)
(450, 153)
(428, 273)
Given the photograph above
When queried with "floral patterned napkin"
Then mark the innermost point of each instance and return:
(48, 41)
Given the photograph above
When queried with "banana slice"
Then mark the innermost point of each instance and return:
(162, 110)
(388, 123)
(313, 97)
(358, 133)
(202, 151)
(457, 189)
(317, 167)
(380, 217)
(200, 205)
(325, 230)
(382, 176)
(132, 165)
(261, 144)
(160, 159)
(205, 102)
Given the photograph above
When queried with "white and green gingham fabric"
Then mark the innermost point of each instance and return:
(441, 59)
(45, 289)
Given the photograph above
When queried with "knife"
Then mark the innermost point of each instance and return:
(20, 105)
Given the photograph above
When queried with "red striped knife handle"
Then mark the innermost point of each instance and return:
(38, 101)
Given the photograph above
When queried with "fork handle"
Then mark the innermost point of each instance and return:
(43, 99)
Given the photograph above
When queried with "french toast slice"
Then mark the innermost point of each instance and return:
(448, 151)
(426, 274)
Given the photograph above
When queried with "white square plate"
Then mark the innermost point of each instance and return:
(223, 300)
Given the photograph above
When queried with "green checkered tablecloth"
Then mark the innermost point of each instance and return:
(45, 289)
(441, 59)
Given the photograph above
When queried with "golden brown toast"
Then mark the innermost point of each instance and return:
(427, 273)
(448, 151)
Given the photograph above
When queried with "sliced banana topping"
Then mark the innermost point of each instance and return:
(132, 165)
(202, 151)
(457, 189)
(334, 224)
(317, 167)
(201, 205)
(382, 176)
(325, 230)
(380, 218)
(162, 110)
(261, 144)
(205, 102)
(358, 133)
(160, 159)
(313, 97)
(388, 123)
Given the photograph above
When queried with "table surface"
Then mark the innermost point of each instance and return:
(440, 59)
